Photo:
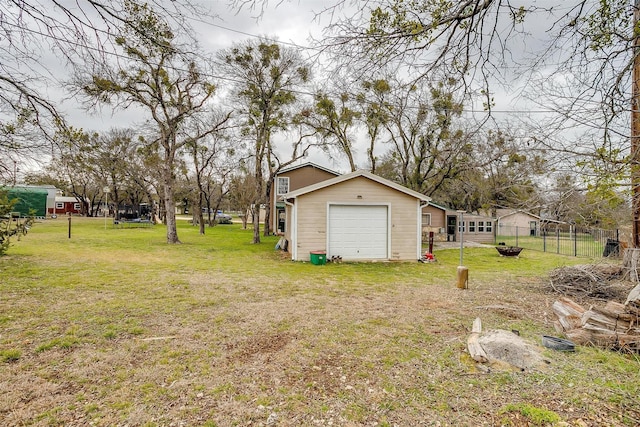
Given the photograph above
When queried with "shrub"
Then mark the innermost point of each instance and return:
(10, 227)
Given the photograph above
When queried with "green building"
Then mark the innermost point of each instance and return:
(31, 201)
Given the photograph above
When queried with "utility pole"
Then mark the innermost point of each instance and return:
(635, 131)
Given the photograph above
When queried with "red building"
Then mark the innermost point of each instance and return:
(64, 205)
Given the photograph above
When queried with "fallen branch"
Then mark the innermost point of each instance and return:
(476, 351)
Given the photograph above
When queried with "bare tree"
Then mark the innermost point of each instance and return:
(32, 31)
(242, 192)
(20, 142)
(374, 104)
(302, 143)
(162, 79)
(580, 52)
(428, 143)
(500, 172)
(334, 120)
(211, 157)
(267, 76)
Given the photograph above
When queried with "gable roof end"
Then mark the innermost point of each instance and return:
(307, 164)
(356, 174)
(521, 211)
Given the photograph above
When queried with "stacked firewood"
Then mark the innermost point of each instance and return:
(615, 326)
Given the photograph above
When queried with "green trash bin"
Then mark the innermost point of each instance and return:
(318, 257)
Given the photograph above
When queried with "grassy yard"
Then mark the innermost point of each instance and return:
(115, 327)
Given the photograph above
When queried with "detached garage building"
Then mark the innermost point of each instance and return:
(358, 216)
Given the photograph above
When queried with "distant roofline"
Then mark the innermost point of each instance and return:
(28, 187)
(314, 165)
(538, 217)
(516, 211)
(67, 199)
(438, 206)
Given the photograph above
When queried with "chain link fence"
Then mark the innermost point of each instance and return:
(570, 240)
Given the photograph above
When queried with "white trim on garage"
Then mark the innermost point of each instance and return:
(362, 230)
(419, 229)
(293, 244)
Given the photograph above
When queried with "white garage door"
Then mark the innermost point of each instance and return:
(358, 231)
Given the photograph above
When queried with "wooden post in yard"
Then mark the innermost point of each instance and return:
(463, 277)
(463, 272)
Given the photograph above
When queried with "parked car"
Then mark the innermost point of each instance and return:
(223, 218)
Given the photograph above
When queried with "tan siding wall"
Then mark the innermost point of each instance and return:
(438, 222)
(438, 216)
(302, 177)
(312, 216)
(515, 219)
(476, 235)
(298, 178)
(518, 219)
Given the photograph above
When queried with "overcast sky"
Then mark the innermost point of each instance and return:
(291, 23)
(294, 22)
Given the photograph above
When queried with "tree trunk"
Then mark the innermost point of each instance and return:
(261, 141)
(169, 204)
(200, 223)
(256, 223)
(170, 212)
(245, 219)
(267, 212)
(349, 153)
(199, 213)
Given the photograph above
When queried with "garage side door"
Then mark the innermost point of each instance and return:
(358, 232)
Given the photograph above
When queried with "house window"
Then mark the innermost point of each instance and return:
(59, 205)
(472, 226)
(480, 226)
(489, 227)
(283, 185)
(76, 206)
(426, 220)
(462, 226)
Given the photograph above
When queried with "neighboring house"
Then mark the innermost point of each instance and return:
(358, 216)
(290, 179)
(434, 219)
(476, 228)
(512, 222)
(32, 199)
(65, 205)
(443, 223)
